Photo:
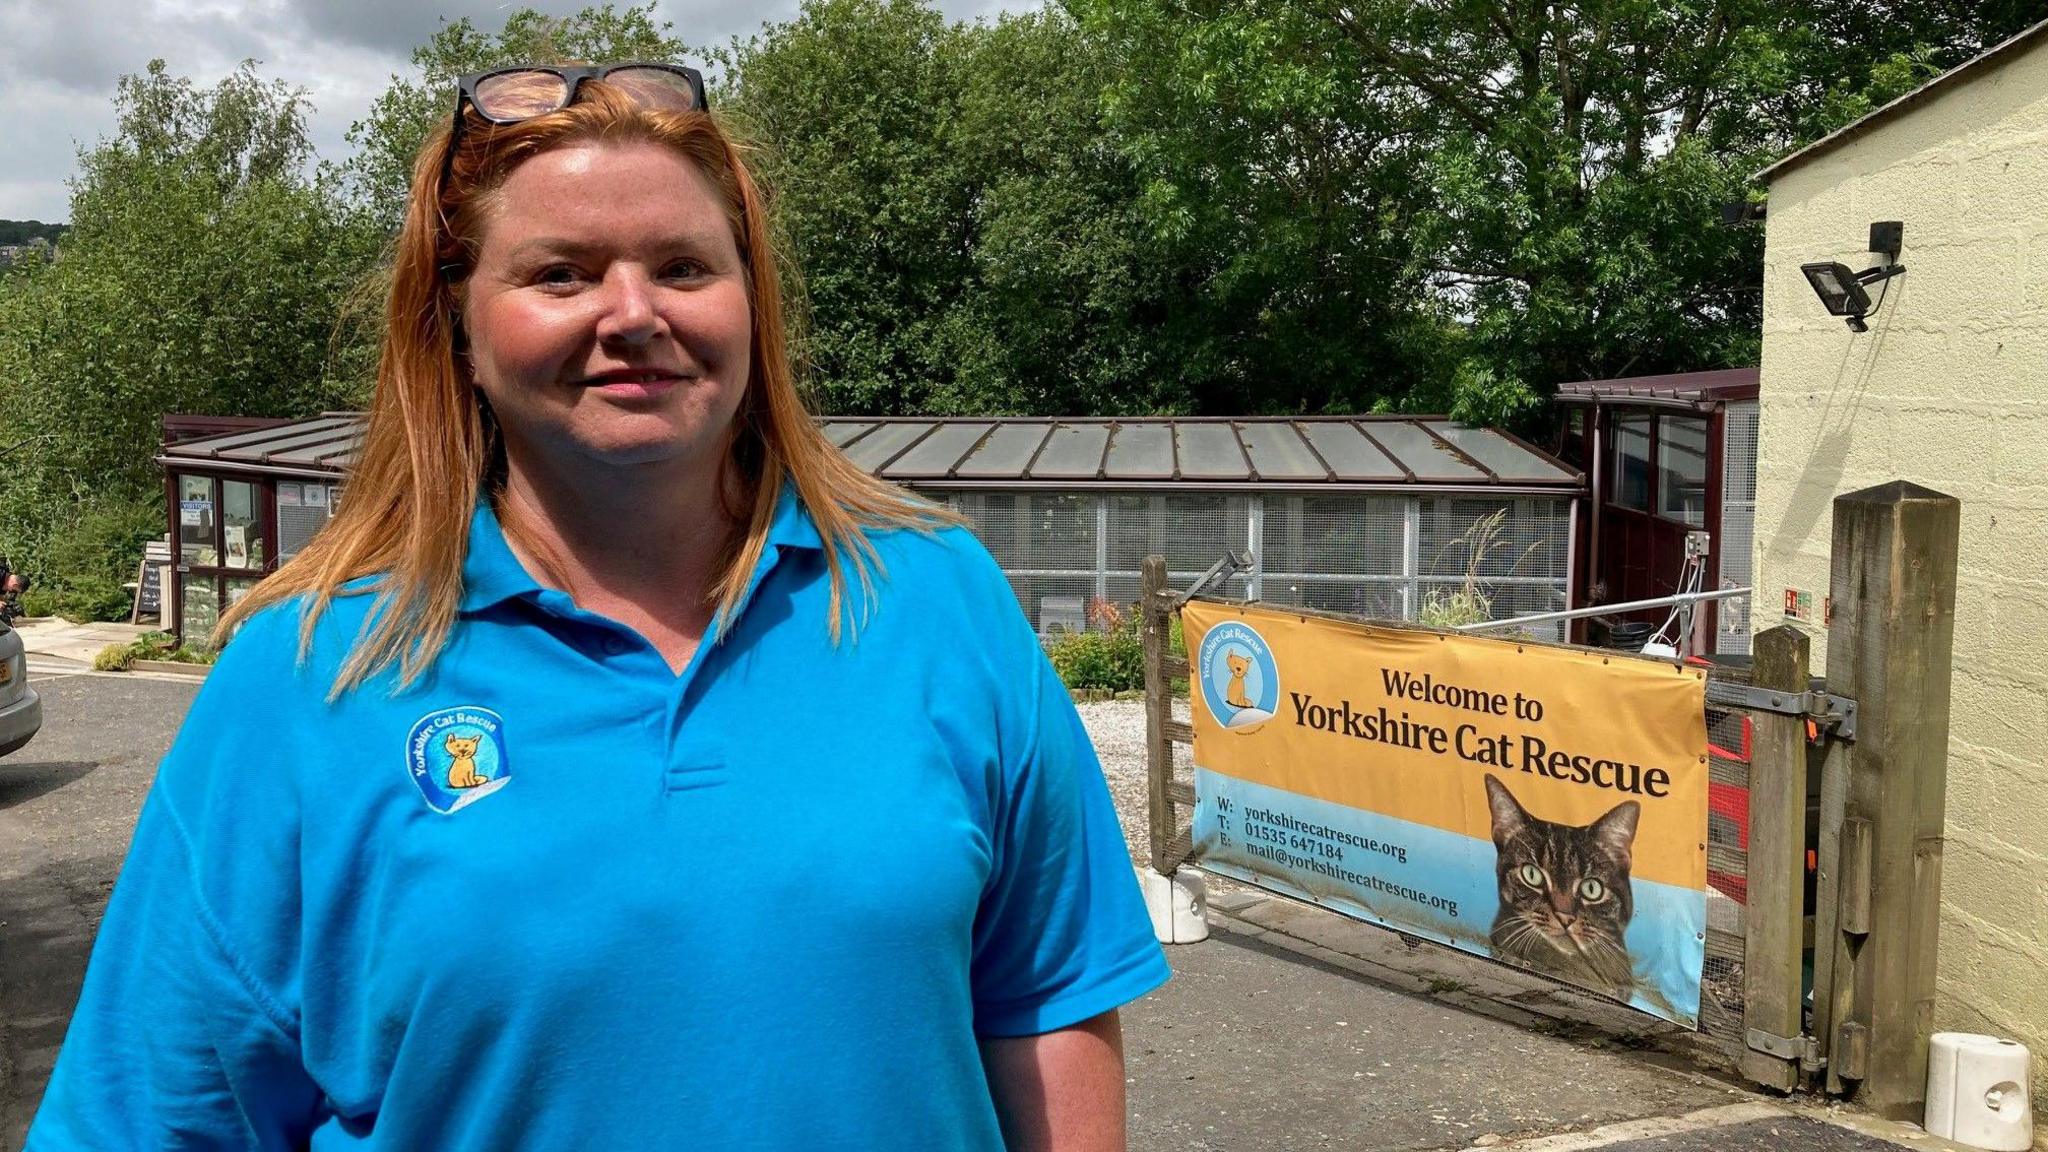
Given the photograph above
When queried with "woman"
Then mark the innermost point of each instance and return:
(622, 768)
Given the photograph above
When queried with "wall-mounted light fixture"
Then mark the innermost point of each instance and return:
(1842, 291)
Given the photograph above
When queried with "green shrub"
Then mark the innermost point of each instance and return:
(1110, 658)
(150, 646)
(79, 576)
(1113, 661)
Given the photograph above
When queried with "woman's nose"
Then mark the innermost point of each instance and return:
(629, 316)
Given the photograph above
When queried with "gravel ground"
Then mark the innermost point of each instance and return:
(1118, 729)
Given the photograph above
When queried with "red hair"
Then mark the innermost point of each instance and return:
(430, 452)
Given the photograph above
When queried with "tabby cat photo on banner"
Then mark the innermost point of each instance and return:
(1540, 805)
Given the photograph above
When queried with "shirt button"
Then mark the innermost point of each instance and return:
(613, 646)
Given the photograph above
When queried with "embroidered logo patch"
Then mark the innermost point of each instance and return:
(456, 756)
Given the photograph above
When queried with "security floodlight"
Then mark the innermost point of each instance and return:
(1837, 288)
(1841, 291)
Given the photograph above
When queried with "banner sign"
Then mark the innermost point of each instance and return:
(1543, 806)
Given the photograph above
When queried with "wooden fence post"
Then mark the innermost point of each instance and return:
(1158, 704)
(1893, 584)
(1773, 976)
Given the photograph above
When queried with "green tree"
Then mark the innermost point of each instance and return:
(204, 272)
(1268, 184)
(378, 172)
(968, 234)
(1071, 305)
(854, 105)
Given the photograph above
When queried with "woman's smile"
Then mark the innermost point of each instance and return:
(609, 317)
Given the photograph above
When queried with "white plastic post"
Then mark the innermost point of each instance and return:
(1178, 904)
(1977, 1091)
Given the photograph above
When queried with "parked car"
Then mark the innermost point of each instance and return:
(21, 713)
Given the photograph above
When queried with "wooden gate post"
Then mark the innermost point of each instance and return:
(1154, 621)
(1774, 920)
(1893, 583)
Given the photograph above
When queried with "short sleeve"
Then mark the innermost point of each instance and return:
(175, 1043)
(1062, 934)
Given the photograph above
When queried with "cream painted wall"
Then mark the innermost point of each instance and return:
(1949, 389)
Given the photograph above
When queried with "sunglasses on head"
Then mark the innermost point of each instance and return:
(524, 91)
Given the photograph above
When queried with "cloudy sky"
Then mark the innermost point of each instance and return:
(59, 60)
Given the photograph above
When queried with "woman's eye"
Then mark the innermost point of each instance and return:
(682, 270)
(556, 276)
(1531, 875)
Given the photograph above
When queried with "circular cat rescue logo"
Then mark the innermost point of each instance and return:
(456, 757)
(1240, 682)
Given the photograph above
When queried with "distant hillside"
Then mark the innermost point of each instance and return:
(22, 231)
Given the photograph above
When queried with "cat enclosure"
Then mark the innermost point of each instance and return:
(1379, 516)
(1823, 818)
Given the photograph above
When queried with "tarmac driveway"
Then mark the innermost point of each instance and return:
(68, 803)
(1252, 1046)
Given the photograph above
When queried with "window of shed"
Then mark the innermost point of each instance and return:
(1632, 462)
(196, 519)
(1682, 469)
(241, 527)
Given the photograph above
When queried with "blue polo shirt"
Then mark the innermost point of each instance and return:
(556, 896)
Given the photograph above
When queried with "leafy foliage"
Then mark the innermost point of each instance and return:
(23, 231)
(378, 173)
(1112, 660)
(1100, 207)
(203, 273)
(150, 646)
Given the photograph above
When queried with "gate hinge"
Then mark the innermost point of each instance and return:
(1804, 1049)
(1837, 712)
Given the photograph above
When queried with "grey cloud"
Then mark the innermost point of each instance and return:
(86, 45)
(59, 60)
(397, 26)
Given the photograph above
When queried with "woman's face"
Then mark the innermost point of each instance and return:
(607, 316)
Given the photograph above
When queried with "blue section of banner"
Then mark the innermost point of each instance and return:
(1422, 880)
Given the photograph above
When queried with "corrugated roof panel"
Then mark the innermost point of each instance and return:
(1351, 456)
(1508, 460)
(316, 454)
(1278, 453)
(936, 454)
(878, 447)
(1006, 452)
(261, 436)
(1145, 453)
(285, 447)
(841, 431)
(1072, 452)
(1210, 452)
(1423, 454)
(1140, 451)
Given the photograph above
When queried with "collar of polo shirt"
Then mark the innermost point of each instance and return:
(491, 574)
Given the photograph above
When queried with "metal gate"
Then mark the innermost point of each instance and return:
(1792, 869)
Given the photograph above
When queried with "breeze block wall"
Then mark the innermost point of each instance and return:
(1948, 389)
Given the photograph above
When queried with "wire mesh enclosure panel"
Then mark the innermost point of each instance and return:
(1367, 554)
(1728, 780)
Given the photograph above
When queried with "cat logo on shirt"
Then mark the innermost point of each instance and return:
(456, 757)
(1240, 681)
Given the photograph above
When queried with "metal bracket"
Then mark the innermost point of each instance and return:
(1837, 712)
(1231, 564)
(1801, 1048)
